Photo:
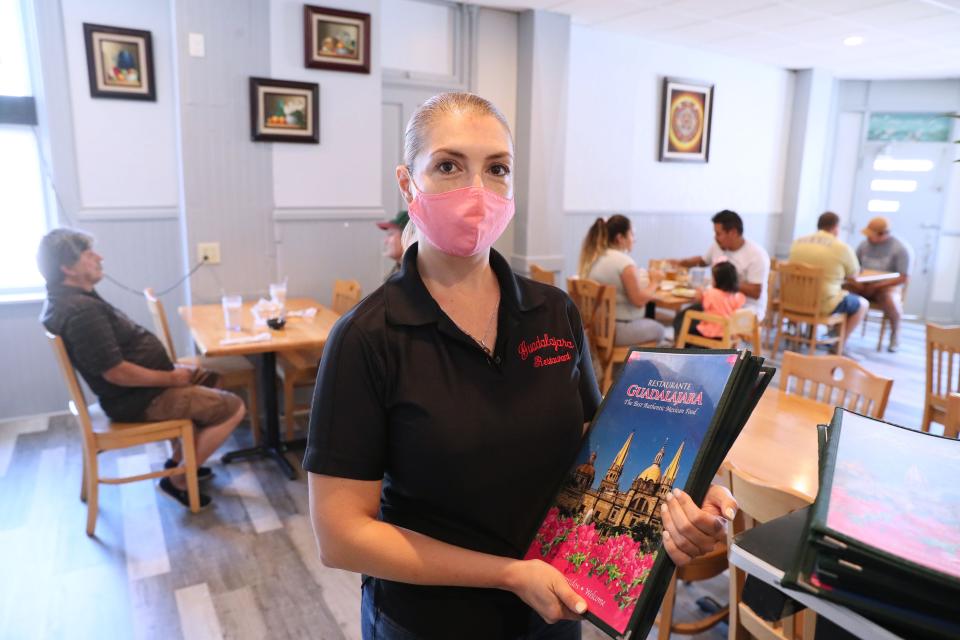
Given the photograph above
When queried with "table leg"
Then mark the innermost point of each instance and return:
(271, 446)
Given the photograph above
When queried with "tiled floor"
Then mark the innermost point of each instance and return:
(247, 568)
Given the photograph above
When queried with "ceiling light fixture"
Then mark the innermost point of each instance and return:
(853, 41)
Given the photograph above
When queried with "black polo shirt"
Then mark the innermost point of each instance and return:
(469, 447)
(98, 337)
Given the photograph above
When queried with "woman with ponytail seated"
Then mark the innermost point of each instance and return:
(605, 258)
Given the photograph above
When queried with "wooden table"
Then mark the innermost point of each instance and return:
(778, 445)
(208, 329)
(872, 275)
(667, 300)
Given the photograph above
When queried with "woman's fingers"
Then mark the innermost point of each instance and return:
(679, 557)
(691, 524)
(672, 530)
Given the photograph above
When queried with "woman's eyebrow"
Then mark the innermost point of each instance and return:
(461, 155)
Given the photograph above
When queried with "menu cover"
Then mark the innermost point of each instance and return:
(667, 421)
(884, 534)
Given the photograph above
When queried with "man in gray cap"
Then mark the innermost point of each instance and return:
(883, 252)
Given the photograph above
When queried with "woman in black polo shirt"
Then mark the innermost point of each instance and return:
(448, 405)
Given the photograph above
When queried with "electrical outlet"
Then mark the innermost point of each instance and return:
(209, 252)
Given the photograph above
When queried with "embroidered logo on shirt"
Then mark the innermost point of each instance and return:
(551, 345)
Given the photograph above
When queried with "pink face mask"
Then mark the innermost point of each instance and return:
(462, 222)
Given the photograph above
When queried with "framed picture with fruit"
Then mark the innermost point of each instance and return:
(284, 111)
(119, 62)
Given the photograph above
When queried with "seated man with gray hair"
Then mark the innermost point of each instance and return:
(126, 366)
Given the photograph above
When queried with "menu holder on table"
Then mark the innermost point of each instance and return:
(667, 422)
(883, 537)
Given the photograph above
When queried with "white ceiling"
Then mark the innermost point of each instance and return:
(902, 38)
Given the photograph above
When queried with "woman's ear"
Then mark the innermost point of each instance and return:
(405, 183)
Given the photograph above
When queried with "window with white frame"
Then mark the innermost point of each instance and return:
(22, 206)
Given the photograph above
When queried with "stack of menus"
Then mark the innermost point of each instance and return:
(883, 537)
(667, 422)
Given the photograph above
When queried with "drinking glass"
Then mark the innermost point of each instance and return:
(278, 293)
(232, 312)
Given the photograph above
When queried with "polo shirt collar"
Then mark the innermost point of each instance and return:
(408, 301)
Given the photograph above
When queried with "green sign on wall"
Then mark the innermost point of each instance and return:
(910, 127)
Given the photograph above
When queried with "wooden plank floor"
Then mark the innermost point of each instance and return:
(246, 568)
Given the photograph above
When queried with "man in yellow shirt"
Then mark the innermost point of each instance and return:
(837, 259)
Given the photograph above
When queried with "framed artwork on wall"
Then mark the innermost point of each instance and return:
(284, 111)
(686, 121)
(336, 40)
(119, 62)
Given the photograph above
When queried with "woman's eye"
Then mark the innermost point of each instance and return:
(446, 167)
(500, 170)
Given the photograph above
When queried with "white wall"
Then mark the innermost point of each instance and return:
(495, 71)
(125, 149)
(344, 169)
(614, 126)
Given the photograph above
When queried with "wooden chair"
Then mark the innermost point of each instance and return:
(759, 503)
(875, 311)
(943, 372)
(800, 296)
(705, 567)
(603, 330)
(299, 368)
(102, 434)
(742, 325)
(542, 275)
(951, 428)
(585, 293)
(236, 372)
(835, 380)
(772, 311)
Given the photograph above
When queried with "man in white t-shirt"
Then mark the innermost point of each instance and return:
(750, 259)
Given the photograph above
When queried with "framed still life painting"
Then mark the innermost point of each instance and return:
(284, 111)
(119, 63)
(336, 40)
(686, 121)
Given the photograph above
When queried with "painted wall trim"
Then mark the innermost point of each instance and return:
(674, 214)
(521, 263)
(328, 213)
(169, 212)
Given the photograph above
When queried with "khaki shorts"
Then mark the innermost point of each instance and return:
(203, 405)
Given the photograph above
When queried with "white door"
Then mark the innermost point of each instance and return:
(905, 182)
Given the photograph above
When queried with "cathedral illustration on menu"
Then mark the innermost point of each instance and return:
(607, 504)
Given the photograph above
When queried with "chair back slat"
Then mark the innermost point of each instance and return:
(763, 502)
(78, 402)
(540, 274)
(800, 288)
(951, 427)
(943, 348)
(160, 322)
(346, 295)
(853, 385)
(585, 294)
(603, 326)
(686, 337)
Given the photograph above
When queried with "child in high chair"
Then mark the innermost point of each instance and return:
(722, 299)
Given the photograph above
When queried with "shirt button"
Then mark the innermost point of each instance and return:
(497, 359)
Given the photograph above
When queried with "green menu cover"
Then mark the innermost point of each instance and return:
(883, 536)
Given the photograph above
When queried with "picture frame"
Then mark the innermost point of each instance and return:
(686, 120)
(119, 62)
(336, 40)
(284, 111)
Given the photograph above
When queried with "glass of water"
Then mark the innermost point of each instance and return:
(232, 312)
(278, 294)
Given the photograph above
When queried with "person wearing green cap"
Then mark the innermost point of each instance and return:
(392, 247)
